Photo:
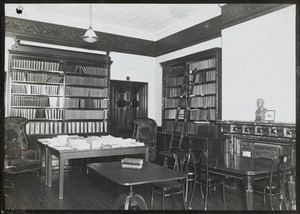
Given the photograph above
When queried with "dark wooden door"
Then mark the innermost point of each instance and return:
(128, 101)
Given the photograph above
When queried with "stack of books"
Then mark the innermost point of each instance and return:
(132, 163)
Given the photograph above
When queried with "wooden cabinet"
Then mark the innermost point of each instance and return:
(60, 92)
(205, 105)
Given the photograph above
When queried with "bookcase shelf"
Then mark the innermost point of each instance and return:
(58, 91)
(205, 105)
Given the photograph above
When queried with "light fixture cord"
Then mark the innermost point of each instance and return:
(90, 15)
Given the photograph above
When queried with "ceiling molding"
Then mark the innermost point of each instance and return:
(233, 14)
(202, 32)
(70, 36)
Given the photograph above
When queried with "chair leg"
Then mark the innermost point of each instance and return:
(183, 200)
(271, 201)
(173, 200)
(224, 199)
(163, 200)
(201, 190)
(205, 197)
(151, 202)
(264, 198)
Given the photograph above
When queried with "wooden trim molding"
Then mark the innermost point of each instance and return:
(202, 32)
(69, 36)
(233, 14)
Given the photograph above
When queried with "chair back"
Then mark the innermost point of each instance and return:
(278, 171)
(183, 161)
(202, 161)
(145, 130)
(15, 137)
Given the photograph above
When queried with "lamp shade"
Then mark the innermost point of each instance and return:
(90, 36)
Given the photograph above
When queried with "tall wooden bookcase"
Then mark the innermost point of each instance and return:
(205, 106)
(59, 91)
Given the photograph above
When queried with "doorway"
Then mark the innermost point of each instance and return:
(129, 100)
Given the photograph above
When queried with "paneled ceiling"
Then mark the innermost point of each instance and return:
(146, 21)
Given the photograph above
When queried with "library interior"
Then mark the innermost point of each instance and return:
(117, 106)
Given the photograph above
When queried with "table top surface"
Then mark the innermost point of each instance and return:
(240, 165)
(149, 173)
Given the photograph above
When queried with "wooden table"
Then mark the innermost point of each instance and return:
(244, 168)
(149, 173)
(63, 155)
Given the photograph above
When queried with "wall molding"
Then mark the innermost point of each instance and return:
(70, 36)
(233, 14)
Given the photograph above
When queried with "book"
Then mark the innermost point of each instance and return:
(130, 166)
(132, 161)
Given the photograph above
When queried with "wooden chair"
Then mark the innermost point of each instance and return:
(204, 178)
(18, 158)
(145, 130)
(182, 162)
(275, 184)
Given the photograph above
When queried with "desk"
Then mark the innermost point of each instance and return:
(63, 155)
(149, 173)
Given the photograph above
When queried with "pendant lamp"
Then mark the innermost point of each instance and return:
(90, 35)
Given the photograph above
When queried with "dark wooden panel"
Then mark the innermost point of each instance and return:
(202, 32)
(233, 14)
(70, 36)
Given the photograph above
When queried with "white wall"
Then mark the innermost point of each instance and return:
(258, 58)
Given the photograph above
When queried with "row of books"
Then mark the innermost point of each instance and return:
(172, 103)
(192, 128)
(209, 101)
(86, 92)
(172, 92)
(54, 114)
(203, 64)
(35, 64)
(35, 89)
(44, 127)
(205, 76)
(32, 113)
(59, 127)
(204, 89)
(27, 113)
(174, 81)
(91, 70)
(30, 101)
(85, 114)
(36, 77)
(202, 114)
(171, 114)
(91, 81)
(85, 127)
(174, 71)
(168, 126)
(86, 103)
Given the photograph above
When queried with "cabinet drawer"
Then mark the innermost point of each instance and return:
(261, 150)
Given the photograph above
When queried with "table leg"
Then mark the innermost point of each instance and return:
(291, 192)
(61, 177)
(49, 168)
(147, 153)
(249, 193)
(120, 201)
(46, 165)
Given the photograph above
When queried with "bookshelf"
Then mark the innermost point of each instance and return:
(205, 106)
(58, 91)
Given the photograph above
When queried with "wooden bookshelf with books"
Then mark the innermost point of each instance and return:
(58, 91)
(205, 96)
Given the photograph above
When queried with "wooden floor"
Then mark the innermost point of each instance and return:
(93, 192)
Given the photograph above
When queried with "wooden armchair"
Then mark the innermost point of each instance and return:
(18, 158)
(145, 130)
